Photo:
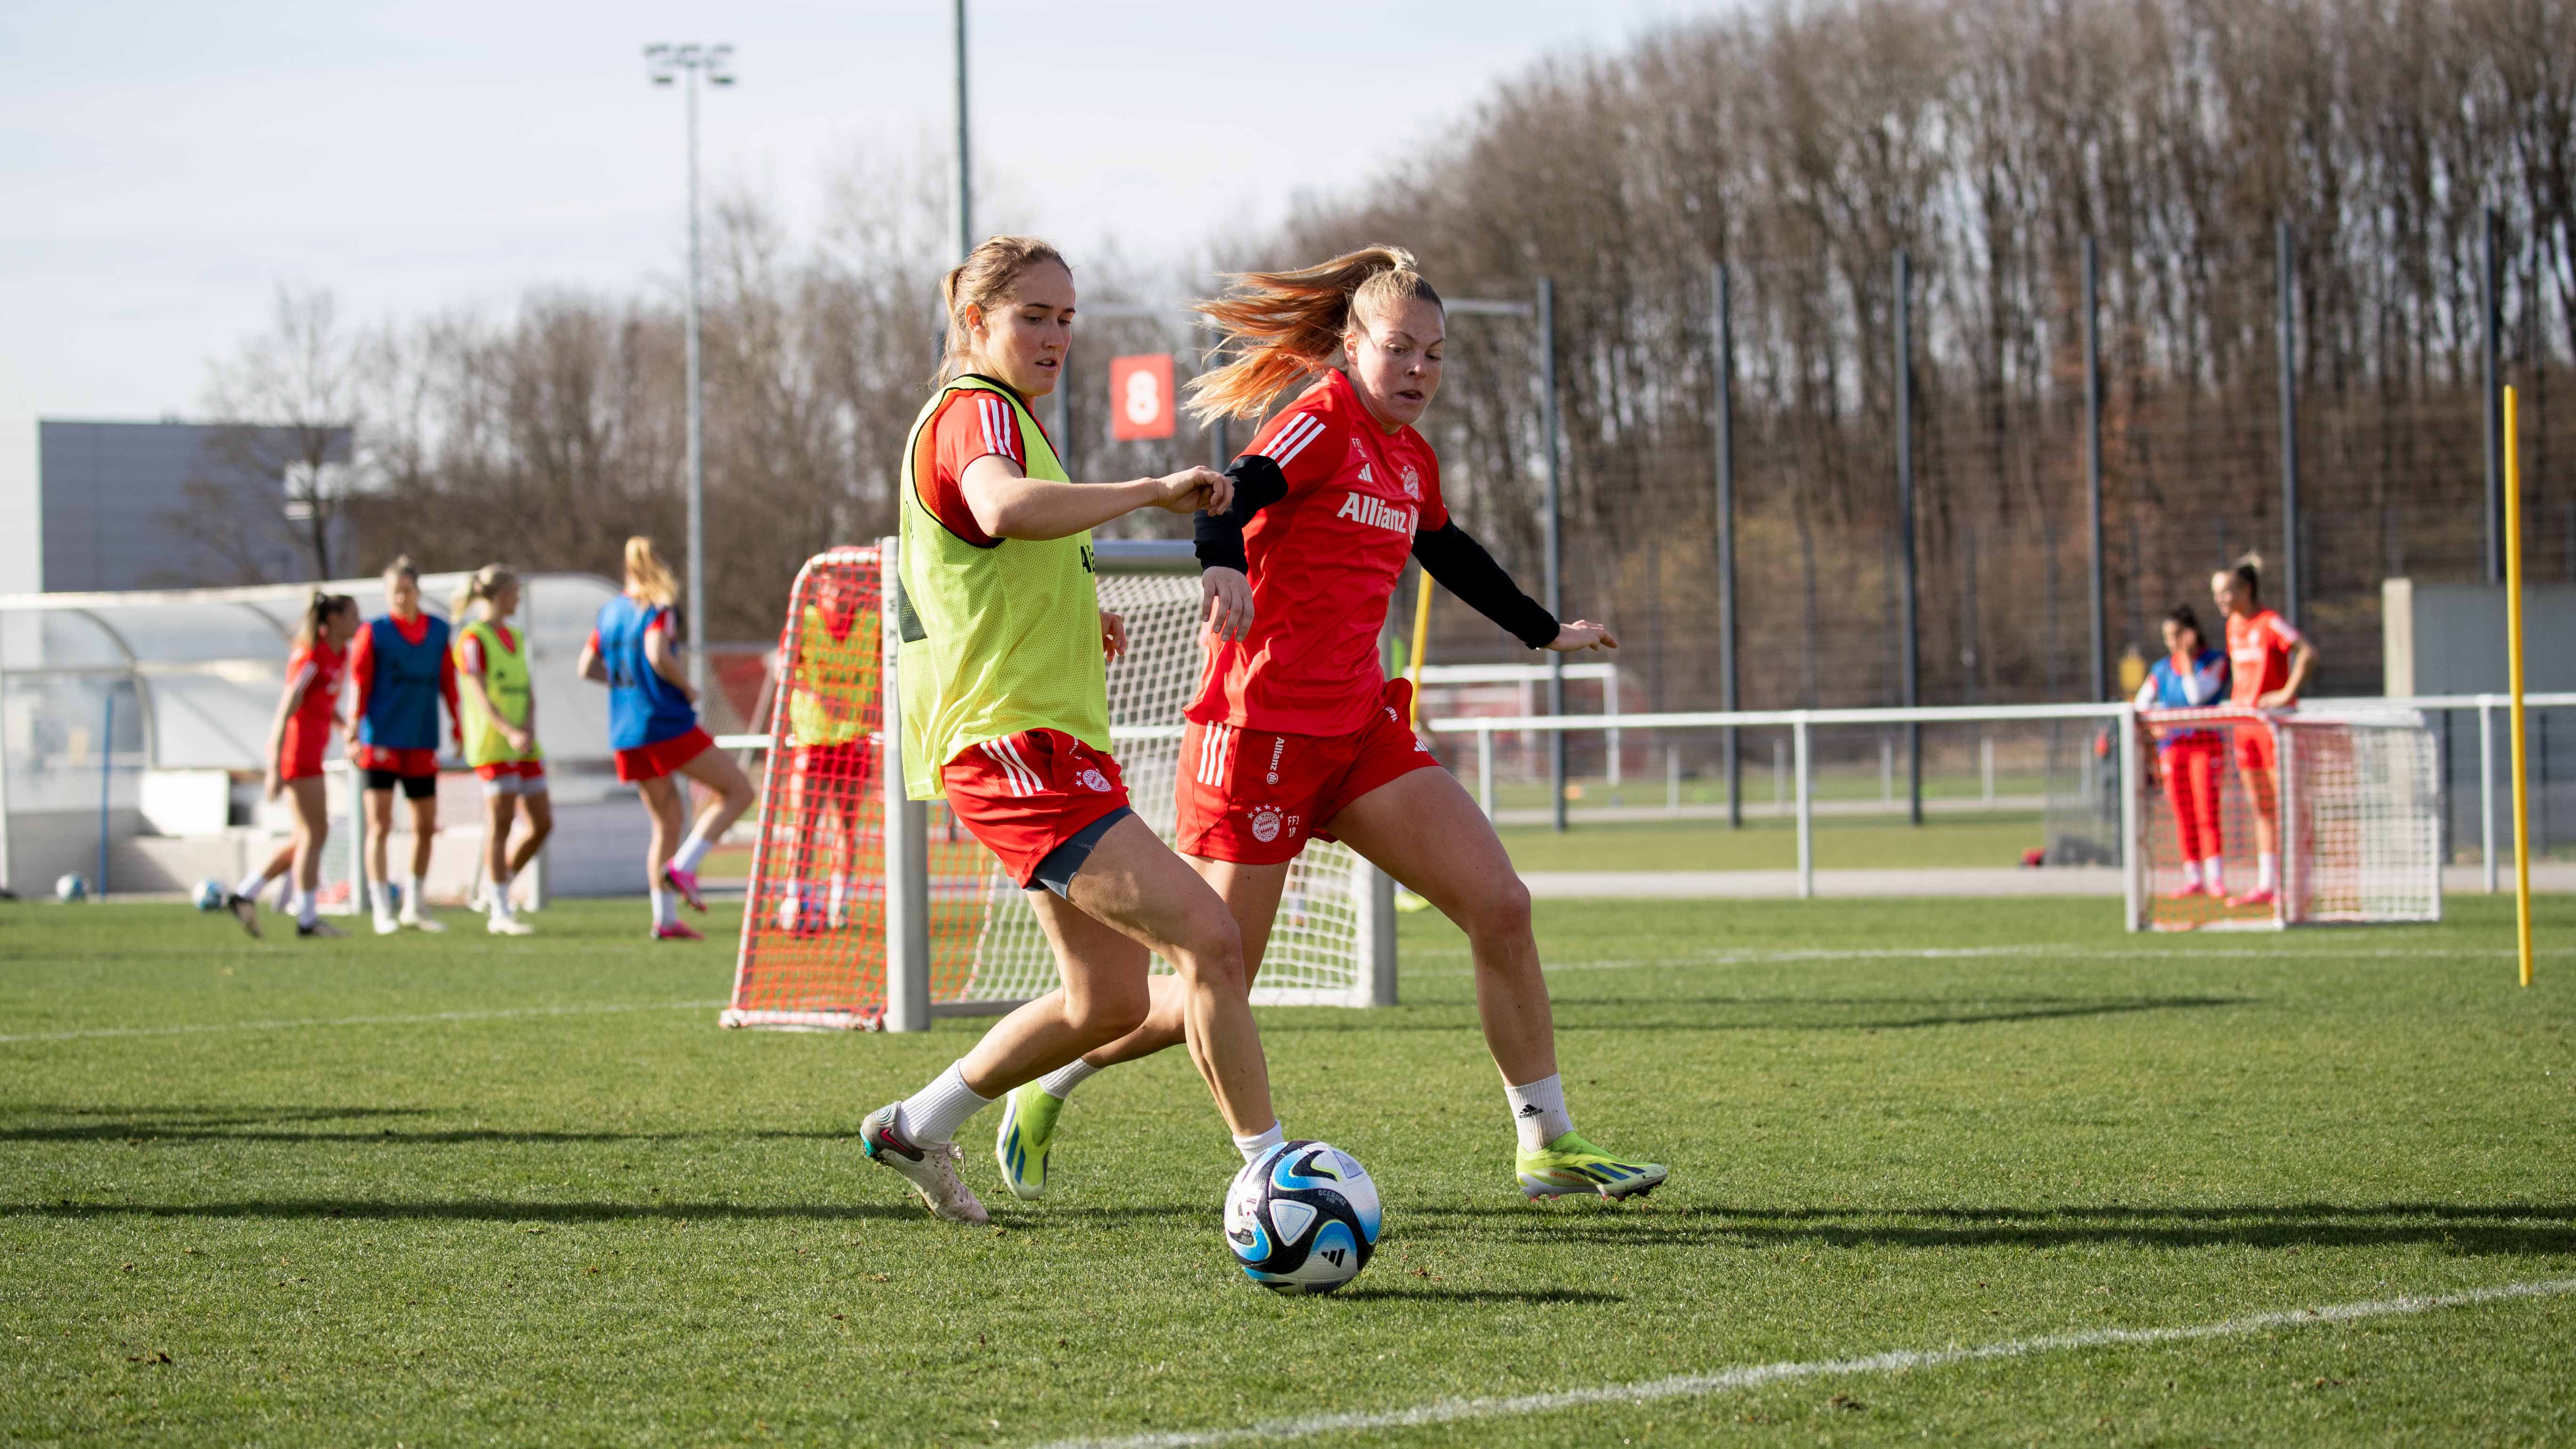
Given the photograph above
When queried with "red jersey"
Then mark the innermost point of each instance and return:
(967, 426)
(1325, 559)
(2258, 655)
(317, 669)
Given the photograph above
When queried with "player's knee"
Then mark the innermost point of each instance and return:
(1211, 951)
(1503, 910)
(1103, 1016)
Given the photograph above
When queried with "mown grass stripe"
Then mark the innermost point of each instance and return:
(424, 1018)
(1450, 1411)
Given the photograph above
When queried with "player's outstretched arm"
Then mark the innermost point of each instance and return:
(1007, 503)
(1463, 567)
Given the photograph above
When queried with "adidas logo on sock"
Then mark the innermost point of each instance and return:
(1531, 1110)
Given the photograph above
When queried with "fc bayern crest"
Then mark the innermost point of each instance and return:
(1095, 782)
(1412, 481)
(1265, 824)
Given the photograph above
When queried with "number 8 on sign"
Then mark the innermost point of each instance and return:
(1140, 396)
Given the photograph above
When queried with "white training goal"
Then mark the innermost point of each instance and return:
(851, 923)
(2348, 799)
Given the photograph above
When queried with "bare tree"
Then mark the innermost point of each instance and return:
(282, 459)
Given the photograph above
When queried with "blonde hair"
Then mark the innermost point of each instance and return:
(985, 277)
(1285, 327)
(2248, 569)
(485, 583)
(647, 577)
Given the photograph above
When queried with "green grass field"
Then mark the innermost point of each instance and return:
(447, 1191)
(1841, 843)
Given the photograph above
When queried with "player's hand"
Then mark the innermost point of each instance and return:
(1580, 635)
(1226, 603)
(518, 739)
(1194, 490)
(275, 785)
(2275, 699)
(1113, 635)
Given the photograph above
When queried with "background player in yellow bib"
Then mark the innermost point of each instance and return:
(1006, 712)
(829, 675)
(499, 722)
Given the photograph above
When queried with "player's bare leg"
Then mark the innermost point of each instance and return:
(424, 833)
(2263, 786)
(312, 831)
(538, 810)
(1251, 896)
(668, 810)
(732, 796)
(1422, 829)
(379, 805)
(500, 814)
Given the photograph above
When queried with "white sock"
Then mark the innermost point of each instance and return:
(692, 850)
(308, 907)
(252, 885)
(841, 898)
(1538, 1112)
(934, 1113)
(2214, 871)
(381, 893)
(666, 906)
(412, 897)
(1060, 1083)
(2267, 871)
(499, 891)
(1259, 1142)
(2190, 875)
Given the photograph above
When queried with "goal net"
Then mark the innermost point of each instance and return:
(814, 949)
(2352, 800)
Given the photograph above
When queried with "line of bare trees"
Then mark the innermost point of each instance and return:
(1804, 146)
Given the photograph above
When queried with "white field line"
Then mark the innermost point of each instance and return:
(1695, 1386)
(424, 1018)
(1941, 953)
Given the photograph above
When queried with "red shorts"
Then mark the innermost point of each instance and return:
(653, 761)
(410, 764)
(515, 769)
(2255, 749)
(1028, 793)
(1253, 797)
(303, 753)
(850, 760)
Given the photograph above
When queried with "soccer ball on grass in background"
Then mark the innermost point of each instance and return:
(71, 888)
(211, 895)
(1302, 1218)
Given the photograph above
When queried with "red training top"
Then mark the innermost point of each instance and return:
(1325, 559)
(2258, 655)
(362, 667)
(967, 426)
(317, 669)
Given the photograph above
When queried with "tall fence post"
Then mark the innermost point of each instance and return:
(2289, 283)
(2491, 379)
(1806, 810)
(1725, 369)
(2093, 467)
(1555, 543)
(907, 823)
(1905, 527)
(2133, 855)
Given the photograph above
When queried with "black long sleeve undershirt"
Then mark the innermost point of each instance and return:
(1448, 553)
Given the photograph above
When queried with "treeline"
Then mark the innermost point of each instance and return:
(1803, 146)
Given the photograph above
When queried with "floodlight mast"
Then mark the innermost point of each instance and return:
(664, 65)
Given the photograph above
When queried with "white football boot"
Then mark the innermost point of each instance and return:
(931, 1167)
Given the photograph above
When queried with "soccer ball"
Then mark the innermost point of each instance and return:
(71, 888)
(1302, 1218)
(211, 895)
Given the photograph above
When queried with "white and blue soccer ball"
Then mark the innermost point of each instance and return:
(1302, 1218)
(71, 888)
(211, 895)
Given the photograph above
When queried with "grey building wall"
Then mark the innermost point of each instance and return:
(116, 509)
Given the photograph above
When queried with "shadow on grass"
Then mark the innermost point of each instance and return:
(1476, 1295)
(1787, 1013)
(2478, 1229)
(223, 1125)
(502, 1210)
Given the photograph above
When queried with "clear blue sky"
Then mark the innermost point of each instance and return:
(168, 165)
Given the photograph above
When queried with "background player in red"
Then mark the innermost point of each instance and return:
(308, 716)
(828, 675)
(1296, 732)
(2192, 675)
(2268, 664)
(401, 667)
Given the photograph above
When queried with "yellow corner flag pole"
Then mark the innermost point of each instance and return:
(1422, 641)
(2513, 641)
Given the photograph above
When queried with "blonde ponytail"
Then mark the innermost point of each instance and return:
(1286, 327)
(484, 583)
(647, 577)
(980, 281)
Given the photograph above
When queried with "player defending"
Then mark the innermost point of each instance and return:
(2190, 676)
(634, 649)
(831, 679)
(2268, 664)
(500, 720)
(403, 669)
(308, 715)
(1296, 732)
(1006, 710)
